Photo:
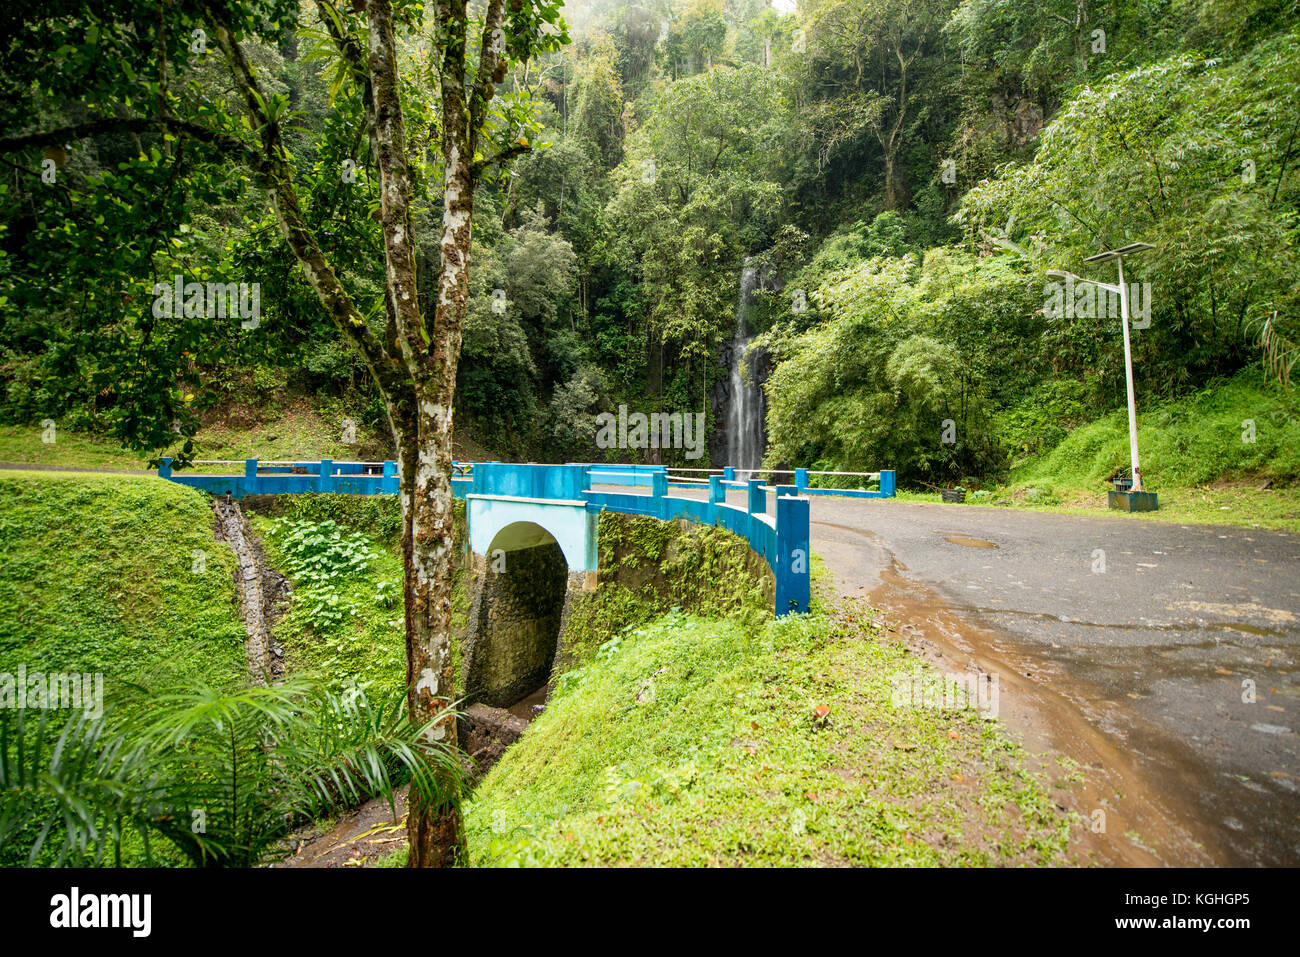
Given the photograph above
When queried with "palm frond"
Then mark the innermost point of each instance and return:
(220, 775)
(355, 748)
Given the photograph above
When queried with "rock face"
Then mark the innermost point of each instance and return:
(1022, 119)
(514, 625)
(486, 732)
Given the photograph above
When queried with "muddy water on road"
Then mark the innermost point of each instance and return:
(1131, 773)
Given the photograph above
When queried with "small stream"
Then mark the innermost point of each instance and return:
(532, 704)
(260, 589)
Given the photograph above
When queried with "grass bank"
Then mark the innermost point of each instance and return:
(690, 728)
(119, 576)
(1228, 454)
(693, 741)
(116, 574)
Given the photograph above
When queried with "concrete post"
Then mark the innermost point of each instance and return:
(165, 468)
(888, 483)
(801, 479)
(325, 481)
(717, 494)
(659, 488)
(756, 502)
(793, 581)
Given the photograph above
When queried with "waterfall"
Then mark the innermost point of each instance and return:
(745, 415)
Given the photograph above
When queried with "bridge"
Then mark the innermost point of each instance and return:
(511, 507)
(533, 543)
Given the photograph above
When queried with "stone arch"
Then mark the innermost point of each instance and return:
(517, 614)
(503, 522)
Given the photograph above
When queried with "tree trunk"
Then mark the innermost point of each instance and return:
(435, 835)
(414, 365)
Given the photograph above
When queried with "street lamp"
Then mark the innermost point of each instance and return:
(1118, 256)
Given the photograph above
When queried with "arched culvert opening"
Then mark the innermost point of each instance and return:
(515, 620)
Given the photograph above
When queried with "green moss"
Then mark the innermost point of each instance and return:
(648, 567)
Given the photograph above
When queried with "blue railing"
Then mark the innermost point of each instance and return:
(380, 478)
(782, 539)
(612, 474)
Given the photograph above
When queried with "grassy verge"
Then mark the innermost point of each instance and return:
(23, 445)
(690, 741)
(1240, 505)
(116, 574)
(299, 433)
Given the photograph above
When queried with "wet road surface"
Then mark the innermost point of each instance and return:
(1161, 656)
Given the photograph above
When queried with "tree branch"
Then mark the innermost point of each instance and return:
(133, 124)
(491, 69)
(511, 151)
(278, 173)
(396, 219)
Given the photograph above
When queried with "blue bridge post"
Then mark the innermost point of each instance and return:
(801, 479)
(756, 502)
(325, 480)
(888, 483)
(793, 581)
(717, 494)
(390, 483)
(659, 489)
(729, 474)
(165, 467)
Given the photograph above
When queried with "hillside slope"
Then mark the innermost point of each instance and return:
(115, 574)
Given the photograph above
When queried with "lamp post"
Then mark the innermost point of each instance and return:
(1118, 256)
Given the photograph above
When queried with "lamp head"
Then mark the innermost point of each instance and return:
(1110, 254)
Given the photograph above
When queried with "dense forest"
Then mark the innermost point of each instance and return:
(841, 235)
(898, 175)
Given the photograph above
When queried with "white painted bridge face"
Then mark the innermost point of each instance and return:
(508, 523)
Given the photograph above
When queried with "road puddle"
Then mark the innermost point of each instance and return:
(1246, 629)
(1051, 714)
(968, 542)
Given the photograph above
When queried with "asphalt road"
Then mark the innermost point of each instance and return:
(1168, 649)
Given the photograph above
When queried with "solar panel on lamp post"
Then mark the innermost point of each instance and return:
(1118, 256)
